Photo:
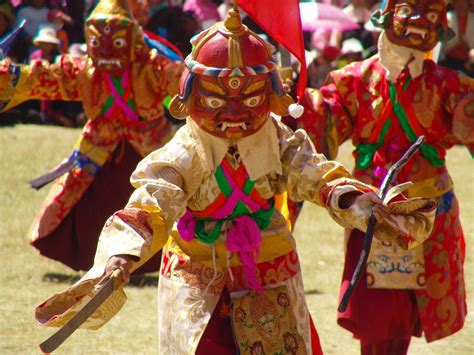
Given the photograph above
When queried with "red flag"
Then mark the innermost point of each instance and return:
(281, 20)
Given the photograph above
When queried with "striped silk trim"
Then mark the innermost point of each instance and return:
(198, 68)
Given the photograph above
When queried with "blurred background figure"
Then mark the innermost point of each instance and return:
(351, 51)
(7, 21)
(52, 112)
(35, 12)
(58, 19)
(323, 63)
(7, 18)
(47, 44)
(204, 10)
(173, 24)
(321, 37)
(360, 12)
(78, 50)
(140, 10)
(458, 53)
(375, 32)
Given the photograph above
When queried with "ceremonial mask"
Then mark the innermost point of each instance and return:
(230, 84)
(108, 44)
(113, 37)
(232, 107)
(417, 24)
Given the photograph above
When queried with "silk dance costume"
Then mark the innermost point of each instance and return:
(230, 275)
(121, 83)
(383, 104)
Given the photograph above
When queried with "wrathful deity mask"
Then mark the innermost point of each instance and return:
(230, 84)
(109, 44)
(417, 24)
(233, 107)
(113, 37)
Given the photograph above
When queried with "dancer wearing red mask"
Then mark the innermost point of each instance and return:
(122, 84)
(383, 104)
(230, 277)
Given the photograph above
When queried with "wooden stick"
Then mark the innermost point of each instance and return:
(369, 234)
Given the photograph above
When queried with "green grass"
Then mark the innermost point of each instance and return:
(28, 150)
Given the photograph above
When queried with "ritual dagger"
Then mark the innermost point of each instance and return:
(364, 254)
(55, 340)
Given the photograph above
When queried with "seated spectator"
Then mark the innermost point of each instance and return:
(325, 36)
(48, 44)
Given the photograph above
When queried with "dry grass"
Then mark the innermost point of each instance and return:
(28, 150)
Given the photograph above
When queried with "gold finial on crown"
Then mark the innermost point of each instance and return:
(233, 23)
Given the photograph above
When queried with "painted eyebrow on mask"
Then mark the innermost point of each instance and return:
(216, 89)
(94, 30)
(255, 87)
(120, 33)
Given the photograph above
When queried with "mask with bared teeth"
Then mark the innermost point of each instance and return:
(417, 24)
(230, 85)
(113, 37)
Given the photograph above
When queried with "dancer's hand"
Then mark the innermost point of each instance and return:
(122, 262)
(357, 198)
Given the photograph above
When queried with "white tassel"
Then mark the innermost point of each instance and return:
(295, 110)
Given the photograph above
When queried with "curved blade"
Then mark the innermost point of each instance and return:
(55, 340)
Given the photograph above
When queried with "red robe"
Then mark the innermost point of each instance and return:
(111, 144)
(437, 104)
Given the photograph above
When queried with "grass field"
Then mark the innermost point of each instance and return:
(25, 278)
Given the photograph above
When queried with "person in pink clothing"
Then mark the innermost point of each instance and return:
(204, 10)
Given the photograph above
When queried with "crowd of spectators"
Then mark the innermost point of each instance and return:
(51, 30)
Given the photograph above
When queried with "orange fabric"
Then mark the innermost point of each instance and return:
(63, 37)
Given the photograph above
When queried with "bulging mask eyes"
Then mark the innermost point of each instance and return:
(214, 102)
(254, 101)
(120, 42)
(107, 29)
(404, 11)
(94, 42)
